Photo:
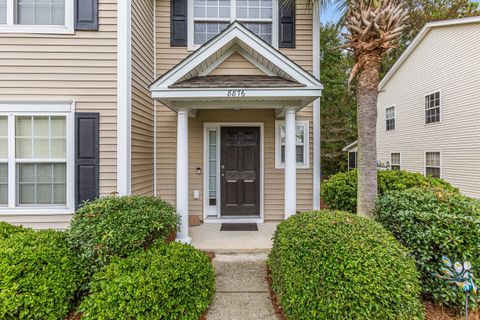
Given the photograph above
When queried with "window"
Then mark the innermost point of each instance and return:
(390, 118)
(34, 160)
(395, 161)
(210, 17)
(352, 160)
(35, 16)
(301, 144)
(433, 164)
(212, 167)
(432, 108)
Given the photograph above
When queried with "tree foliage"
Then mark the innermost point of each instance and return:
(338, 111)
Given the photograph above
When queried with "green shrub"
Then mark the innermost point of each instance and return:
(38, 277)
(340, 191)
(118, 226)
(335, 265)
(168, 281)
(7, 230)
(432, 224)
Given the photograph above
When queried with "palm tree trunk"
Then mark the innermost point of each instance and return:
(367, 96)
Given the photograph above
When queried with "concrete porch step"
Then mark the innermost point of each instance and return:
(208, 237)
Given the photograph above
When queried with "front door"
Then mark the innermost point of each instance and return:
(240, 171)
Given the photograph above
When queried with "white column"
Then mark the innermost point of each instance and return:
(290, 164)
(182, 176)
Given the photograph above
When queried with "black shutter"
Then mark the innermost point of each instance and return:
(86, 15)
(86, 157)
(286, 35)
(178, 23)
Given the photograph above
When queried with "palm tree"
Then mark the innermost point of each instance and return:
(373, 28)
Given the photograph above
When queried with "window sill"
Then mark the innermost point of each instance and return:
(4, 211)
(36, 29)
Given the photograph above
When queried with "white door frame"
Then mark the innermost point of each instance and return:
(218, 218)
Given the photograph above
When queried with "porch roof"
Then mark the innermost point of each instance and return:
(236, 81)
(189, 86)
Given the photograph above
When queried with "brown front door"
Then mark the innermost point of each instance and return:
(240, 171)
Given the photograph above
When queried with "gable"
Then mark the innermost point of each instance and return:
(236, 65)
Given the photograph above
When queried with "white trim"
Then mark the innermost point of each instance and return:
(191, 46)
(439, 107)
(306, 144)
(236, 32)
(420, 36)
(425, 162)
(40, 108)
(218, 126)
(124, 96)
(317, 170)
(11, 27)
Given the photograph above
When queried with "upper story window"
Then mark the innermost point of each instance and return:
(432, 107)
(390, 118)
(36, 16)
(210, 17)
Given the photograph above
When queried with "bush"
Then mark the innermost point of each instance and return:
(38, 277)
(340, 191)
(335, 265)
(169, 281)
(7, 230)
(433, 224)
(118, 226)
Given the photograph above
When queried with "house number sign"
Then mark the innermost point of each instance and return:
(236, 93)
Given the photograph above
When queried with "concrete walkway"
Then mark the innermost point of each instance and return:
(242, 288)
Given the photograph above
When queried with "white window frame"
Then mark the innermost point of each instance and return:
(439, 108)
(394, 118)
(56, 108)
(399, 159)
(11, 27)
(233, 17)
(425, 163)
(278, 150)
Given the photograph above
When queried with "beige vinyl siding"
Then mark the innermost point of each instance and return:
(236, 65)
(142, 104)
(79, 67)
(446, 60)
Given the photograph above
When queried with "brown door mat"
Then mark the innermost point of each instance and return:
(239, 227)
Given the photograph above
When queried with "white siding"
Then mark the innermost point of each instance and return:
(447, 59)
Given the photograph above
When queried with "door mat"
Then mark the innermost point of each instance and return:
(239, 227)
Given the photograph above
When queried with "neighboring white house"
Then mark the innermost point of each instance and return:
(429, 105)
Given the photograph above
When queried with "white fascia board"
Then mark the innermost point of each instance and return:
(416, 41)
(216, 93)
(350, 146)
(236, 31)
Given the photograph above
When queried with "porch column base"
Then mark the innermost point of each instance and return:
(290, 164)
(182, 176)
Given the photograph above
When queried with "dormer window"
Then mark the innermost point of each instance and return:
(210, 17)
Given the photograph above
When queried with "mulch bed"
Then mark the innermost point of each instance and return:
(273, 297)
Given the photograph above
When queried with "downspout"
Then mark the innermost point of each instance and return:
(155, 192)
(316, 108)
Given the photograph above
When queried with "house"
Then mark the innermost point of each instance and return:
(428, 119)
(352, 151)
(212, 106)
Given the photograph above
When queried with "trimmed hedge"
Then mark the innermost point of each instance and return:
(38, 276)
(340, 191)
(7, 230)
(335, 265)
(168, 281)
(117, 227)
(432, 224)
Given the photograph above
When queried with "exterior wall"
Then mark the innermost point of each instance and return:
(167, 58)
(236, 65)
(79, 67)
(446, 60)
(142, 104)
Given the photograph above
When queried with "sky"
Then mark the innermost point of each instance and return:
(331, 14)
